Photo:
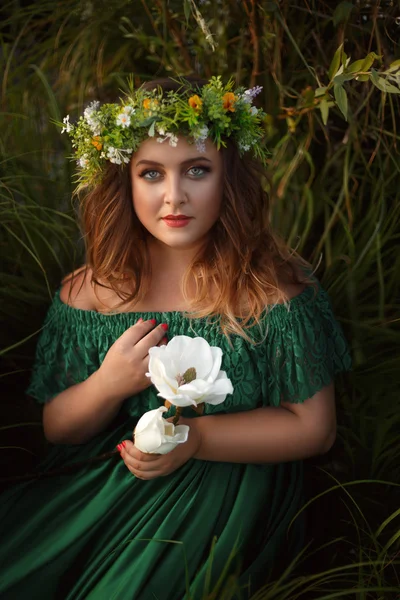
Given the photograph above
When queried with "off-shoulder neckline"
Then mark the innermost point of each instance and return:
(294, 303)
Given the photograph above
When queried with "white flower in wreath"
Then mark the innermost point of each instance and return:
(186, 372)
(155, 435)
(83, 162)
(67, 125)
(90, 117)
(123, 119)
(173, 139)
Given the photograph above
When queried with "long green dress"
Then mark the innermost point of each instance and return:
(99, 533)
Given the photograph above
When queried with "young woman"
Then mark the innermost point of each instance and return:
(178, 242)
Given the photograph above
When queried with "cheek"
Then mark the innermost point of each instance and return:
(214, 197)
(144, 198)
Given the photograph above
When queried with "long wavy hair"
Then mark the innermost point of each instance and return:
(244, 261)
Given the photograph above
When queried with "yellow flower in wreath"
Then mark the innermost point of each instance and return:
(196, 103)
(229, 100)
(96, 141)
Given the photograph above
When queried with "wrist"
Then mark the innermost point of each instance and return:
(195, 432)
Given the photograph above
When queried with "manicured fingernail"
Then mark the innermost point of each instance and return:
(139, 320)
(164, 326)
(153, 321)
(164, 340)
(119, 447)
(123, 444)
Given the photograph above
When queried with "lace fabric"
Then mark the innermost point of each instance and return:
(302, 350)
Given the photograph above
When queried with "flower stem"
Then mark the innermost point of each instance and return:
(178, 412)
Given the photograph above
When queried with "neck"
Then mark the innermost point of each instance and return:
(165, 259)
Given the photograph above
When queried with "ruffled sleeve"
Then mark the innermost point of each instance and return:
(305, 348)
(66, 354)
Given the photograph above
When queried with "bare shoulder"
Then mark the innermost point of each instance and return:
(291, 290)
(77, 289)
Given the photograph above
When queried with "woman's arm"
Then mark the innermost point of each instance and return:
(289, 432)
(264, 435)
(83, 410)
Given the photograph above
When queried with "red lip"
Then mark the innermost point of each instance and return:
(176, 217)
(177, 220)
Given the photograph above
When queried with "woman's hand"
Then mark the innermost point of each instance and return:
(123, 370)
(149, 466)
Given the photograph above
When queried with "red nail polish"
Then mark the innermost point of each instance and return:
(164, 340)
(153, 321)
(119, 447)
(123, 444)
(164, 326)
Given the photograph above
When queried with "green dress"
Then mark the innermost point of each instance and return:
(99, 533)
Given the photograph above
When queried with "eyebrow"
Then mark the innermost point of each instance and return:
(189, 160)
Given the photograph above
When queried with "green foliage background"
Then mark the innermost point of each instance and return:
(335, 190)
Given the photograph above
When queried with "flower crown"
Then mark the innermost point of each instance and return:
(112, 132)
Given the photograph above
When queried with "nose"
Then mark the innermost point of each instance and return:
(174, 194)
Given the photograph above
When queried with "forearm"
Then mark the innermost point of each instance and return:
(263, 435)
(79, 413)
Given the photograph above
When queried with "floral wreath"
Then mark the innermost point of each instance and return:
(112, 132)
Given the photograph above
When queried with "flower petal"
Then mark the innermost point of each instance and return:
(180, 400)
(149, 431)
(221, 387)
(150, 418)
(191, 352)
(217, 359)
(180, 437)
(166, 385)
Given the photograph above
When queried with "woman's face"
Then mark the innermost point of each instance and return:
(177, 191)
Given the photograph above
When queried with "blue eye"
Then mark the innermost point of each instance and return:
(147, 173)
(200, 171)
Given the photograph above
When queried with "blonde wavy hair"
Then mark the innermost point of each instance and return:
(244, 260)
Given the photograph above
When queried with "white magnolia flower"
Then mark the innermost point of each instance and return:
(155, 435)
(123, 119)
(186, 372)
(67, 125)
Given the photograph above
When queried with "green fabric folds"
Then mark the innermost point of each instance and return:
(99, 532)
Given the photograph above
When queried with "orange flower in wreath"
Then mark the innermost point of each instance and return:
(148, 103)
(196, 103)
(229, 100)
(97, 143)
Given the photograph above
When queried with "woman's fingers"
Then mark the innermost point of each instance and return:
(136, 460)
(153, 338)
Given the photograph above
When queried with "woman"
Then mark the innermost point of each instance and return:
(178, 242)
